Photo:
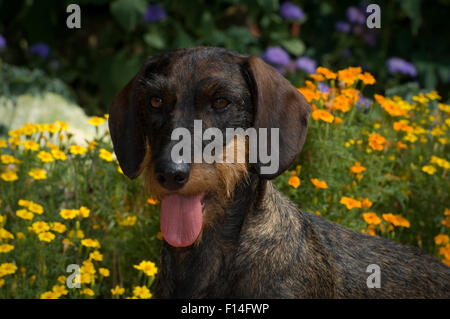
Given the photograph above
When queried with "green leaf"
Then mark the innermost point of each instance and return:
(413, 11)
(294, 46)
(154, 40)
(128, 12)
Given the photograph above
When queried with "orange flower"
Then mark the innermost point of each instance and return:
(366, 78)
(402, 126)
(309, 94)
(377, 142)
(400, 145)
(326, 73)
(371, 218)
(446, 222)
(319, 184)
(393, 110)
(441, 239)
(317, 77)
(349, 75)
(294, 181)
(366, 203)
(341, 103)
(322, 115)
(357, 168)
(396, 220)
(350, 202)
(337, 120)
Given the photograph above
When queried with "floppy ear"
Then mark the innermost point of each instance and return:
(278, 104)
(126, 132)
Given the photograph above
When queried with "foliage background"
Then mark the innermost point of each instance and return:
(88, 66)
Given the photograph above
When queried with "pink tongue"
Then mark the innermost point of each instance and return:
(181, 219)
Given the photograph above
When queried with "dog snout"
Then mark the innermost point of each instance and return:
(172, 176)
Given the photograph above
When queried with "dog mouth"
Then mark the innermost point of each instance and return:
(181, 218)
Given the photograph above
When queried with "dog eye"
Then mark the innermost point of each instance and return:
(220, 103)
(156, 102)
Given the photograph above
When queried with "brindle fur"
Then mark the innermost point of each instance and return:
(254, 242)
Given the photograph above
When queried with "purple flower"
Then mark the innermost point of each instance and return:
(398, 65)
(363, 102)
(290, 11)
(355, 15)
(154, 13)
(306, 64)
(276, 56)
(40, 49)
(342, 26)
(324, 88)
(2, 42)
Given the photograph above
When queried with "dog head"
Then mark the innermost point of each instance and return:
(222, 89)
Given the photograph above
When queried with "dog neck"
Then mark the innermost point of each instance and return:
(190, 271)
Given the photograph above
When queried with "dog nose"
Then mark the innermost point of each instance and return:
(172, 176)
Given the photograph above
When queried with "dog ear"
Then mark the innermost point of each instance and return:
(278, 104)
(126, 132)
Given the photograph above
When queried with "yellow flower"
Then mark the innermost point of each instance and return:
(62, 125)
(371, 218)
(93, 243)
(7, 269)
(49, 295)
(6, 248)
(46, 236)
(30, 145)
(9, 176)
(58, 154)
(147, 267)
(35, 208)
(96, 255)
(3, 143)
(62, 279)
(87, 291)
(444, 107)
(128, 221)
(104, 272)
(2, 282)
(84, 212)
(142, 292)
(294, 181)
(433, 95)
(24, 214)
(69, 213)
(440, 162)
(45, 157)
(58, 227)
(59, 290)
(77, 150)
(421, 98)
(38, 173)
(95, 120)
(429, 169)
(106, 155)
(318, 183)
(117, 291)
(322, 115)
(40, 227)
(4, 234)
(92, 144)
(441, 239)
(350, 203)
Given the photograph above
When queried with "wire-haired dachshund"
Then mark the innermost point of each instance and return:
(227, 231)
